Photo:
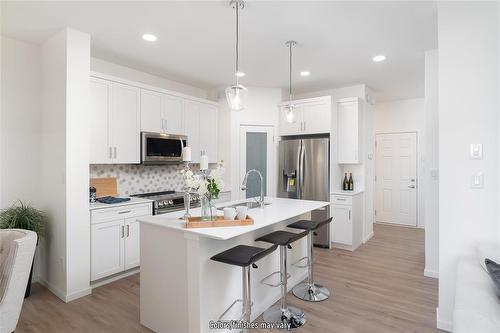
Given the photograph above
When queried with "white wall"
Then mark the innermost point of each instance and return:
(468, 35)
(406, 116)
(128, 73)
(431, 166)
(64, 163)
(20, 130)
(262, 109)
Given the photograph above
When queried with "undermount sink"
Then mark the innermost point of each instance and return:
(249, 204)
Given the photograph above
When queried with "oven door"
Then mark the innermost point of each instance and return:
(159, 148)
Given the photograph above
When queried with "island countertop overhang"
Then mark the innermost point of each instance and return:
(279, 210)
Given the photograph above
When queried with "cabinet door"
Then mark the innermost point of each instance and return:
(287, 128)
(99, 111)
(106, 249)
(208, 131)
(173, 114)
(192, 128)
(341, 227)
(124, 123)
(348, 132)
(316, 117)
(132, 243)
(151, 111)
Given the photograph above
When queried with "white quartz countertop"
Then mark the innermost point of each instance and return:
(132, 201)
(340, 192)
(280, 209)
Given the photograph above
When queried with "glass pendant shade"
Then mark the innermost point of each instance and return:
(236, 97)
(290, 115)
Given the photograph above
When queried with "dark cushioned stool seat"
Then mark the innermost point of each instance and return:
(281, 237)
(309, 225)
(243, 255)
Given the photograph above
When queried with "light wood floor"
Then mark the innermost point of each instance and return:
(378, 288)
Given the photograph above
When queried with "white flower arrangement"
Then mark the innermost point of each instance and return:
(208, 185)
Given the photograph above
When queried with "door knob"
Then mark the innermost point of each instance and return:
(411, 186)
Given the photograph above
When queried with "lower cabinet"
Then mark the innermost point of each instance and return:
(347, 226)
(115, 239)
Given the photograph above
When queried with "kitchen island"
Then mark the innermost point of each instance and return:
(182, 290)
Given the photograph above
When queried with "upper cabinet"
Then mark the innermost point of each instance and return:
(349, 130)
(115, 122)
(121, 110)
(161, 113)
(312, 116)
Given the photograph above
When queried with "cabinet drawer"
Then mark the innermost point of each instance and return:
(341, 199)
(122, 212)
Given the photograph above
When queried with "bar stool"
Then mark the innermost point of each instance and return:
(243, 256)
(283, 313)
(310, 291)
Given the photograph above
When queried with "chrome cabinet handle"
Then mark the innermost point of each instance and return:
(122, 231)
(128, 230)
(124, 212)
(110, 152)
(341, 199)
(114, 151)
(349, 215)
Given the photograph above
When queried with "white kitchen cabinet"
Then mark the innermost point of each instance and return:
(192, 128)
(115, 239)
(100, 91)
(349, 111)
(173, 114)
(151, 111)
(312, 116)
(208, 131)
(124, 123)
(114, 110)
(347, 225)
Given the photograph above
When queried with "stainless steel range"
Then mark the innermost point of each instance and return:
(167, 201)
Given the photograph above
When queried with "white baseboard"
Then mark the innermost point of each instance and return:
(431, 273)
(442, 323)
(367, 238)
(66, 298)
(115, 277)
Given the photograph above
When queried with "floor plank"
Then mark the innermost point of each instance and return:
(378, 288)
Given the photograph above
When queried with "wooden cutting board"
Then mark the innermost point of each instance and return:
(105, 187)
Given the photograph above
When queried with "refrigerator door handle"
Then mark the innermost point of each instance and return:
(301, 167)
(299, 190)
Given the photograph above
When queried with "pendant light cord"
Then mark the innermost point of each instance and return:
(237, 5)
(290, 64)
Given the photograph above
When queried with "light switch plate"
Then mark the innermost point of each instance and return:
(476, 151)
(477, 181)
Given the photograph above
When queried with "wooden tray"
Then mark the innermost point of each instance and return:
(196, 222)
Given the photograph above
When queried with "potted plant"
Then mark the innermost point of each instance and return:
(23, 216)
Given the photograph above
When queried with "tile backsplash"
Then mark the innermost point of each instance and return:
(135, 179)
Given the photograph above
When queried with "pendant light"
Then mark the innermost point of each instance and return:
(236, 94)
(290, 115)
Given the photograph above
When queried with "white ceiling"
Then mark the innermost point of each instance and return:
(336, 40)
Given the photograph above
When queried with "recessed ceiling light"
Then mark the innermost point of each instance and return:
(149, 37)
(239, 74)
(305, 73)
(379, 58)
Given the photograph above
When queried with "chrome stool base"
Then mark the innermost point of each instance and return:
(291, 317)
(311, 292)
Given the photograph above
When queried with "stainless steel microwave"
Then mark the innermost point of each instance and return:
(160, 148)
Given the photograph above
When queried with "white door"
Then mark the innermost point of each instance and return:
(132, 243)
(99, 111)
(317, 117)
(106, 249)
(396, 178)
(124, 123)
(173, 114)
(151, 111)
(257, 151)
(208, 131)
(341, 229)
(192, 128)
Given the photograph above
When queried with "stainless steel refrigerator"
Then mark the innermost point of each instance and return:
(304, 173)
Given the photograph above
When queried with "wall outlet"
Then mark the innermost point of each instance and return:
(477, 181)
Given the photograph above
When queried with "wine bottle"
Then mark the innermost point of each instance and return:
(345, 184)
(351, 182)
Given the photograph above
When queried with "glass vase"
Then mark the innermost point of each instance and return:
(206, 209)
